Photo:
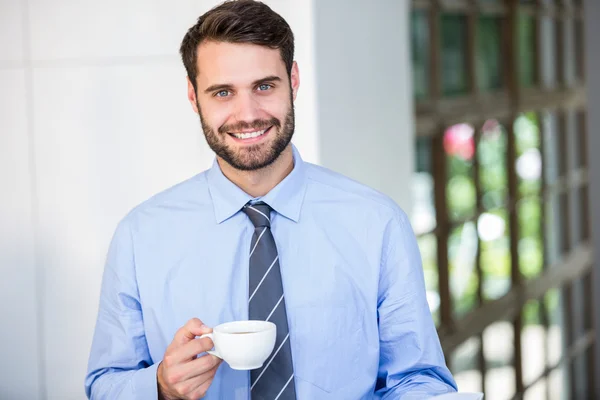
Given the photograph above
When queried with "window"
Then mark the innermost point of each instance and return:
(500, 192)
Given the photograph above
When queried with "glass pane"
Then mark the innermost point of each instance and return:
(462, 257)
(562, 145)
(454, 54)
(537, 391)
(526, 38)
(576, 144)
(420, 53)
(423, 213)
(569, 65)
(580, 373)
(498, 351)
(489, 56)
(555, 229)
(590, 357)
(529, 211)
(428, 248)
(579, 51)
(491, 154)
(531, 251)
(551, 147)
(588, 295)
(495, 253)
(572, 139)
(577, 317)
(585, 212)
(557, 384)
(459, 146)
(565, 240)
(464, 364)
(529, 158)
(577, 215)
(548, 51)
(581, 140)
(533, 340)
(577, 309)
(574, 160)
(554, 310)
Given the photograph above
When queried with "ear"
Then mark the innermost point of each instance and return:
(191, 92)
(295, 79)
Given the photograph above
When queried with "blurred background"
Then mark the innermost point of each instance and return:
(479, 117)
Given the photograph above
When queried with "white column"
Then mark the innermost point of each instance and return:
(299, 15)
(364, 92)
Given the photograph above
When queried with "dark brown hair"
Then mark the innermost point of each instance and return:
(238, 21)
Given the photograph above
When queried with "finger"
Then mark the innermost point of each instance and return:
(203, 388)
(196, 387)
(190, 350)
(194, 327)
(201, 368)
(184, 378)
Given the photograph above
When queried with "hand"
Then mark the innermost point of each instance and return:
(181, 374)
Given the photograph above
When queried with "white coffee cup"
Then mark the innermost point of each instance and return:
(244, 345)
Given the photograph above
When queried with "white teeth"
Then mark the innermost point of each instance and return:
(249, 134)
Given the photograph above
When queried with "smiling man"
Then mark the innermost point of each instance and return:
(262, 235)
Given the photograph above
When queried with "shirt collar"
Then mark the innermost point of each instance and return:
(286, 198)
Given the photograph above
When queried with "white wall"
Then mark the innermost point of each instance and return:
(94, 119)
(19, 339)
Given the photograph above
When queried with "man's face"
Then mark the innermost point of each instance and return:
(245, 101)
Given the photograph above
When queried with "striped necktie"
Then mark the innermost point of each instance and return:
(275, 380)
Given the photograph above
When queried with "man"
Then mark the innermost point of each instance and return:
(262, 235)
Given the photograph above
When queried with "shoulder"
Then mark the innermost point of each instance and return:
(323, 183)
(190, 194)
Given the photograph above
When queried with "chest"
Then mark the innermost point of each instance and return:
(330, 273)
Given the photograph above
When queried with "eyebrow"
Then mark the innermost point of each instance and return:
(227, 86)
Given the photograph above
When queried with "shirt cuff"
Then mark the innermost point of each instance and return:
(144, 383)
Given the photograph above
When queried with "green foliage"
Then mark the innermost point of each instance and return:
(495, 255)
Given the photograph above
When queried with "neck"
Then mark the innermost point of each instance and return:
(258, 183)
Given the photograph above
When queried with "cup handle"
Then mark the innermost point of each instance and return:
(211, 352)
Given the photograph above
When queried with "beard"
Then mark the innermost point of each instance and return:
(255, 157)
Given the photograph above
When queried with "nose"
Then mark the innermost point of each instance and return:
(247, 108)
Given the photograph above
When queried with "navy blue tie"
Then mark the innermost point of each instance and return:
(275, 380)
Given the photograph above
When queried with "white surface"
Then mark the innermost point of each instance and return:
(364, 93)
(19, 370)
(110, 138)
(306, 136)
(11, 30)
(74, 29)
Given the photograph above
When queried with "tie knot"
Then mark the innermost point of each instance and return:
(259, 213)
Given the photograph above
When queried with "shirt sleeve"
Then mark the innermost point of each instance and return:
(412, 364)
(120, 366)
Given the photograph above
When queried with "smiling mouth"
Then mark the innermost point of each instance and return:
(249, 135)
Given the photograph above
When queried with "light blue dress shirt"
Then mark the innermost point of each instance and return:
(360, 326)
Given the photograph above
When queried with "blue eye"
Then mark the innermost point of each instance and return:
(264, 86)
(222, 93)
